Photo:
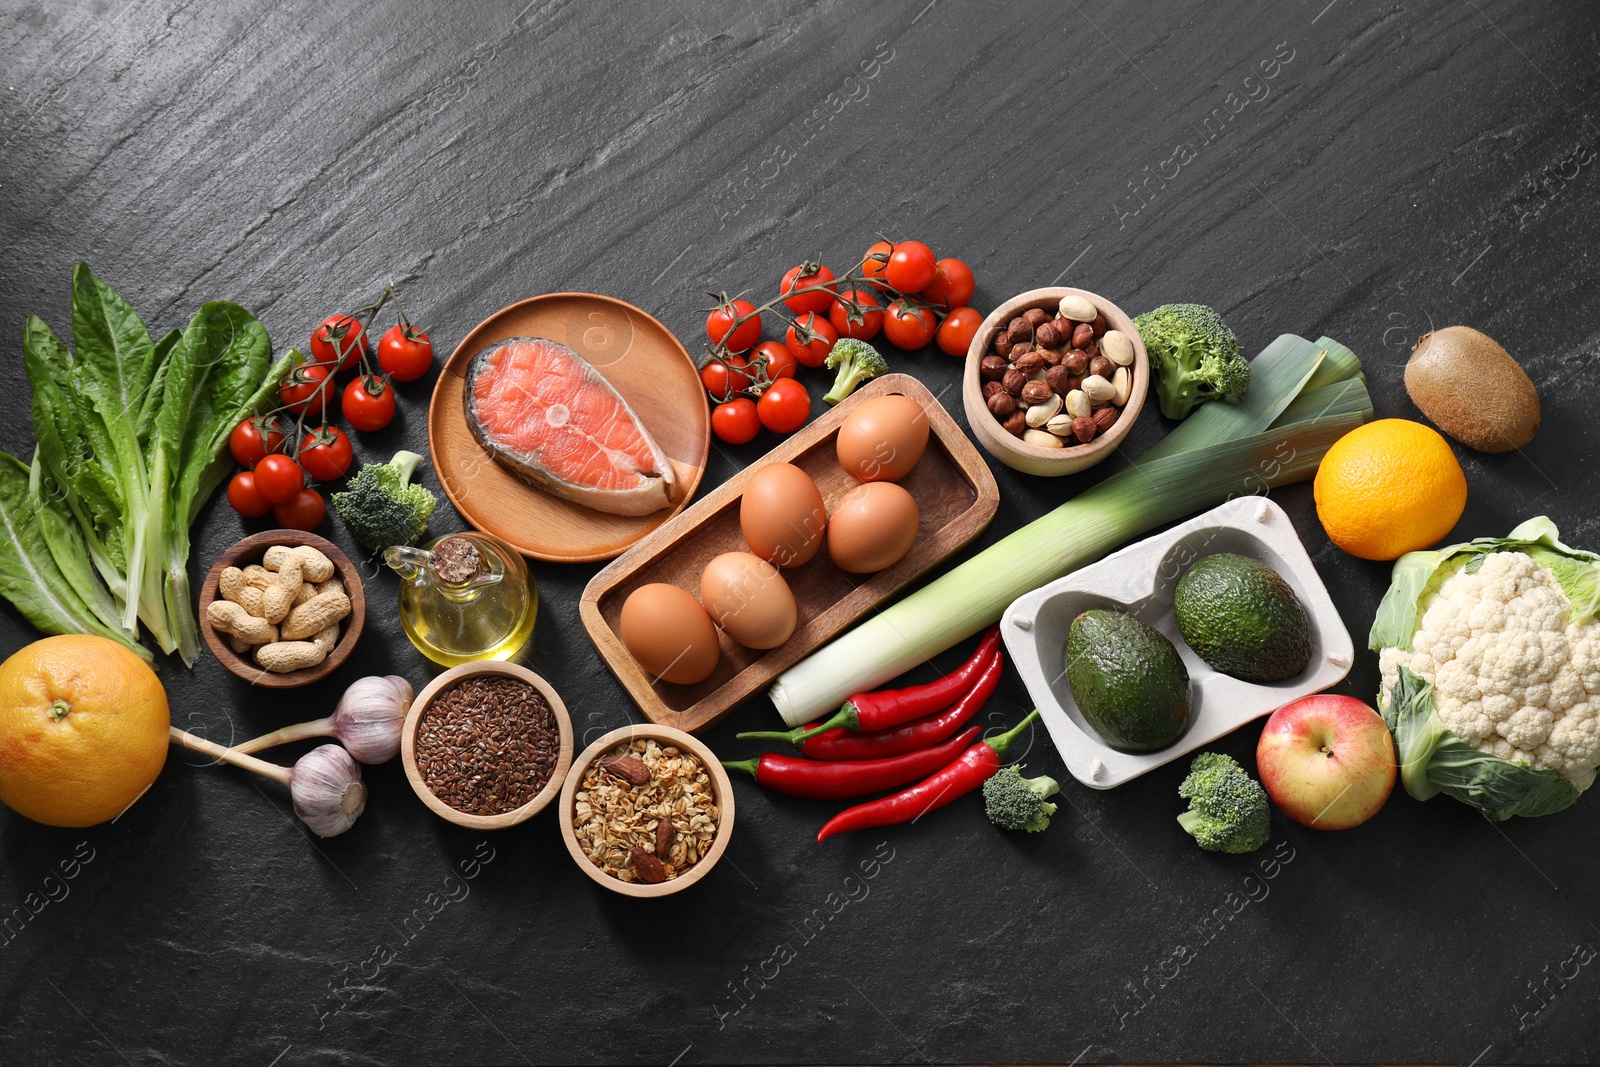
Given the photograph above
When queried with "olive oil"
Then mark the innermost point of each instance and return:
(465, 597)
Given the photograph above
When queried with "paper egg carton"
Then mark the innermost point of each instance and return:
(1139, 580)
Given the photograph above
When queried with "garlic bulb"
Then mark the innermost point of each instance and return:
(367, 721)
(328, 793)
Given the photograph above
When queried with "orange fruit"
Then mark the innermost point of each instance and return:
(83, 730)
(1388, 488)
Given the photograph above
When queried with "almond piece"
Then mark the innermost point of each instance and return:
(647, 867)
(630, 769)
(664, 835)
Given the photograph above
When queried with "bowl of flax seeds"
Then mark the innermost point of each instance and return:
(487, 745)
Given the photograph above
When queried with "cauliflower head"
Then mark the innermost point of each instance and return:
(1511, 674)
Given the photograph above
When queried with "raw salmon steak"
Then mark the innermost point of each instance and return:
(543, 411)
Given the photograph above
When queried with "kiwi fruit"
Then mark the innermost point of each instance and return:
(1472, 389)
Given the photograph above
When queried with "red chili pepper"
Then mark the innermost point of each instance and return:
(841, 744)
(839, 779)
(969, 771)
(891, 707)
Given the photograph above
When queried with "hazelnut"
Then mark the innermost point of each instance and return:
(1065, 327)
(1020, 347)
(1056, 378)
(1052, 356)
(1016, 423)
(1001, 405)
(1028, 362)
(1002, 343)
(1098, 324)
(993, 368)
(1082, 334)
(1020, 329)
(1014, 381)
(1102, 366)
(1046, 335)
(1084, 429)
(991, 388)
(1077, 362)
(1036, 317)
(1036, 392)
(1104, 418)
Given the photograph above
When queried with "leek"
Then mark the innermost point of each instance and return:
(1305, 397)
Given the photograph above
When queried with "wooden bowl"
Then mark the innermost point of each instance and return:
(1035, 459)
(250, 550)
(408, 745)
(721, 789)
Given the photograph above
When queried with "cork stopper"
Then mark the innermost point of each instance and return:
(456, 560)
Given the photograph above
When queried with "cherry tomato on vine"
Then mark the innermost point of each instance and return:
(404, 352)
(245, 498)
(876, 260)
(253, 438)
(368, 402)
(302, 390)
(278, 478)
(785, 406)
(908, 327)
(303, 511)
(720, 328)
(952, 284)
(325, 453)
(339, 342)
(798, 278)
(911, 266)
(812, 340)
(863, 321)
(955, 333)
(780, 361)
(724, 379)
(736, 421)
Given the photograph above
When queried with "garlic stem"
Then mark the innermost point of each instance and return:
(298, 732)
(278, 774)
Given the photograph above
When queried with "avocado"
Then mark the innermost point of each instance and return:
(1240, 616)
(1127, 680)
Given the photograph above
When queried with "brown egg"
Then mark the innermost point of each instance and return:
(748, 598)
(782, 515)
(872, 527)
(670, 634)
(883, 439)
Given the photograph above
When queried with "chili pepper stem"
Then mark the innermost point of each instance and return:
(300, 731)
(227, 755)
(747, 765)
(845, 717)
(1003, 742)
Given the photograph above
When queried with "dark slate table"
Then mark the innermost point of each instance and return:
(1405, 165)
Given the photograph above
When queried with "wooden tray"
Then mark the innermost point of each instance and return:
(640, 358)
(956, 496)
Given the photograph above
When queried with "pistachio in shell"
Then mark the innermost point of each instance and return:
(1471, 388)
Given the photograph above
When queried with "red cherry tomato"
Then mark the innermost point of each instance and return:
(863, 321)
(325, 453)
(278, 478)
(811, 339)
(253, 438)
(339, 343)
(955, 333)
(736, 421)
(724, 379)
(304, 511)
(908, 327)
(302, 390)
(404, 352)
(911, 266)
(952, 284)
(793, 278)
(876, 260)
(720, 328)
(245, 498)
(780, 361)
(785, 406)
(368, 402)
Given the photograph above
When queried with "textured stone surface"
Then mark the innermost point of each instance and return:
(1409, 164)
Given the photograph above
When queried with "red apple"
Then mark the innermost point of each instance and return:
(1326, 761)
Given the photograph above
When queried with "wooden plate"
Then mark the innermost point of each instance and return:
(956, 496)
(640, 358)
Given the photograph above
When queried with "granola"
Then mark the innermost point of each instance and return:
(613, 817)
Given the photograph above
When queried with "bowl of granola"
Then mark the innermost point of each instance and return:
(647, 810)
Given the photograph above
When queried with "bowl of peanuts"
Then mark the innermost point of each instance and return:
(282, 608)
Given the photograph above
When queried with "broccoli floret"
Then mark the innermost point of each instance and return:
(1228, 809)
(1194, 355)
(857, 362)
(380, 507)
(1017, 803)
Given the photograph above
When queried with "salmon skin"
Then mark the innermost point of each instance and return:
(540, 409)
